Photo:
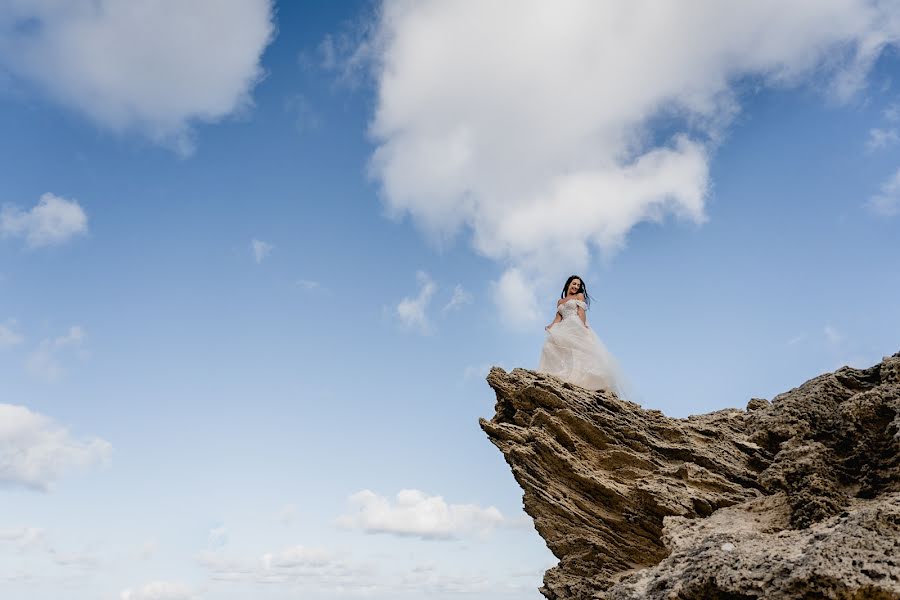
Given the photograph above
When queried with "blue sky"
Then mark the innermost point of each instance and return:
(251, 279)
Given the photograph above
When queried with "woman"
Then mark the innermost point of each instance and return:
(572, 351)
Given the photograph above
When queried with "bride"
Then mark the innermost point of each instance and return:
(572, 351)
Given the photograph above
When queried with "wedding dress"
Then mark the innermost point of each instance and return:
(575, 354)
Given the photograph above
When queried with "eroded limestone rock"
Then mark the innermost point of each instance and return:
(797, 498)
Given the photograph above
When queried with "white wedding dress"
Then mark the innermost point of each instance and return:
(575, 354)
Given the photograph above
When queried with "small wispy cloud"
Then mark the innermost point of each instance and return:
(295, 555)
(459, 299)
(833, 335)
(412, 312)
(796, 339)
(886, 202)
(160, 590)
(348, 53)
(45, 362)
(24, 538)
(260, 250)
(287, 515)
(308, 284)
(476, 372)
(36, 541)
(881, 138)
(305, 117)
(843, 349)
(82, 560)
(9, 337)
(315, 568)
(415, 513)
(892, 113)
(54, 220)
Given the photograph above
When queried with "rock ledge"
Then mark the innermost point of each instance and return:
(797, 498)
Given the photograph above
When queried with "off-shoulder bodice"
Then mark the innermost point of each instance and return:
(570, 308)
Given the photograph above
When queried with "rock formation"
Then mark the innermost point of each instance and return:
(797, 498)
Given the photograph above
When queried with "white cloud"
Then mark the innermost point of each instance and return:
(536, 133)
(886, 203)
(8, 337)
(81, 560)
(314, 568)
(53, 220)
(24, 537)
(844, 351)
(260, 250)
(412, 311)
(460, 298)
(347, 52)
(428, 579)
(151, 67)
(305, 116)
(160, 590)
(309, 285)
(296, 556)
(324, 573)
(45, 361)
(796, 339)
(476, 372)
(892, 113)
(35, 451)
(32, 538)
(881, 138)
(414, 513)
(514, 296)
(226, 568)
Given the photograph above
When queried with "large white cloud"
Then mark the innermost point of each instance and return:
(151, 66)
(414, 513)
(35, 451)
(531, 124)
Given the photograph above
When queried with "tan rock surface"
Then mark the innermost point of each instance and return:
(797, 498)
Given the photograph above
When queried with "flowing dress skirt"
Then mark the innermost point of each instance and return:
(575, 354)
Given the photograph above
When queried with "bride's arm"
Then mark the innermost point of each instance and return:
(556, 320)
(581, 314)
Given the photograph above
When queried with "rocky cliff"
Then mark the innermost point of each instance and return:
(797, 498)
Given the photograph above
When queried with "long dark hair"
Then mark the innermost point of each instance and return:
(582, 289)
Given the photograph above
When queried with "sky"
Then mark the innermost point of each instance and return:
(256, 259)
